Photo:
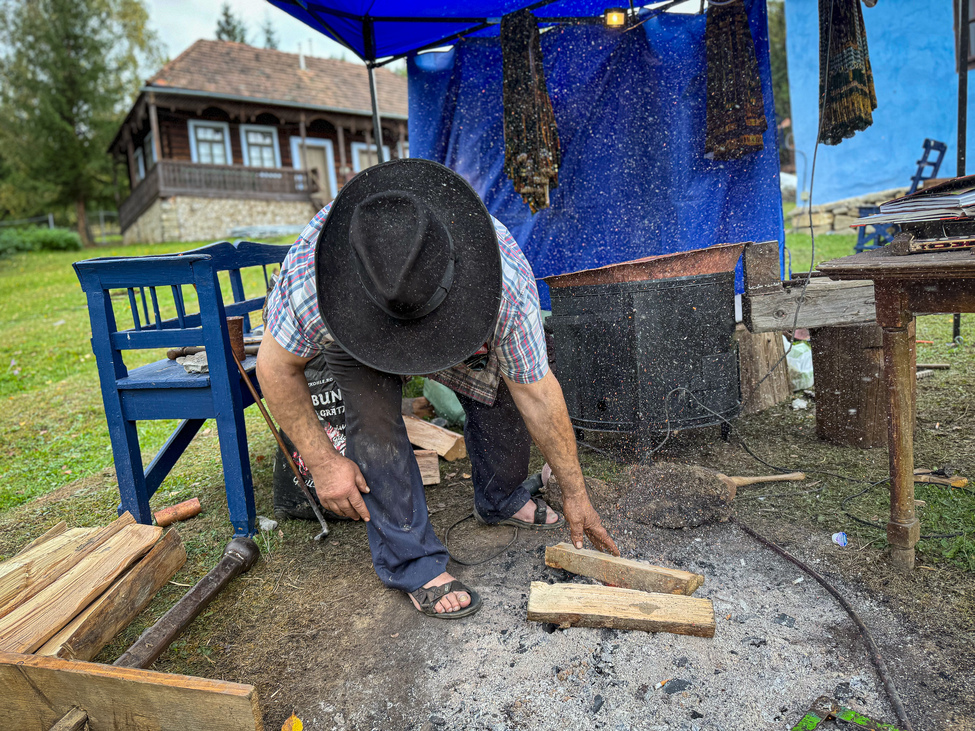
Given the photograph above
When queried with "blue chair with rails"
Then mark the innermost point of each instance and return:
(163, 389)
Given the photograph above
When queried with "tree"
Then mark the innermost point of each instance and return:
(270, 36)
(230, 27)
(68, 69)
(780, 73)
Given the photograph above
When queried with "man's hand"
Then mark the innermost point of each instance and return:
(339, 482)
(542, 406)
(584, 521)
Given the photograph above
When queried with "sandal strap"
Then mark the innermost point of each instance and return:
(427, 598)
(541, 511)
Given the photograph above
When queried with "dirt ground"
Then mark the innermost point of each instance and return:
(313, 629)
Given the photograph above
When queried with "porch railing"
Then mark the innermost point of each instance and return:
(171, 177)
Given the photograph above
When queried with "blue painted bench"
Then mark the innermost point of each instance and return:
(164, 286)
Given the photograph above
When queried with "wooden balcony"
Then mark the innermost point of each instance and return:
(171, 177)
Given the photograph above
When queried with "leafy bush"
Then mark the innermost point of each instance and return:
(13, 240)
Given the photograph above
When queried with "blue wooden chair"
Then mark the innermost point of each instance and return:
(164, 390)
(927, 168)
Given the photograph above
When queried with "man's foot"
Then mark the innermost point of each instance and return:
(527, 514)
(449, 603)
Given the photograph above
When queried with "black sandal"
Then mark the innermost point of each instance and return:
(428, 598)
(538, 522)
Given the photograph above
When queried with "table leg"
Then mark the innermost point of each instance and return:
(903, 529)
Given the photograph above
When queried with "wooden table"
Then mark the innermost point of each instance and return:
(905, 286)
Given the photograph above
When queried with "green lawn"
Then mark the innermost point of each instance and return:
(52, 426)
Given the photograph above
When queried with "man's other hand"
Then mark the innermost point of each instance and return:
(584, 521)
(339, 482)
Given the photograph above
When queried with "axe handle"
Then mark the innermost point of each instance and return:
(743, 481)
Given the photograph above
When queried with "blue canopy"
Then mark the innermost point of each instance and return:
(374, 29)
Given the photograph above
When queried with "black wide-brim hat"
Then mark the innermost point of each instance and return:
(354, 244)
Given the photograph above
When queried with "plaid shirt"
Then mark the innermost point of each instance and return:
(516, 349)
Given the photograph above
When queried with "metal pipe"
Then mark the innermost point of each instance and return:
(963, 51)
(239, 555)
(376, 124)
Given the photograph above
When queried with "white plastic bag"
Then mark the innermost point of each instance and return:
(800, 363)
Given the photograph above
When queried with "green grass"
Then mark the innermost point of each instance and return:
(52, 424)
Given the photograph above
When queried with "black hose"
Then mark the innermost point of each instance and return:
(874, 651)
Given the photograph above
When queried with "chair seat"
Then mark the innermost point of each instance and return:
(170, 374)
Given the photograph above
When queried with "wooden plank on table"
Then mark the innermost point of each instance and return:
(22, 575)
(84, 636)
(448, 444)
(622, 572)
(429, 463)
(30, 624)
(579, 605)
(39, 691)
(54, 531)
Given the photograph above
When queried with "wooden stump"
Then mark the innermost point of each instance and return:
(848, 363)
(757, 353)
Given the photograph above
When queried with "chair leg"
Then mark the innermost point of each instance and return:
(128, 469)
(237, 472)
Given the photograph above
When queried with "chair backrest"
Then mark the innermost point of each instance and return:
(173, 320)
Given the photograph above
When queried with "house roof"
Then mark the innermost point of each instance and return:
(229, 69)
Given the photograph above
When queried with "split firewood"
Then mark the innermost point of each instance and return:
(448, 444)
(621, 572)
(579, 605)
(429, 464)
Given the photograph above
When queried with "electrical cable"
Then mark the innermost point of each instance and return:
(446, 543)
(846, 501)
(874, 651)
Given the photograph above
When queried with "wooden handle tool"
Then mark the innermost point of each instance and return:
(743, 481)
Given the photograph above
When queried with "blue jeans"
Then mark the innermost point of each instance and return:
(406, 552)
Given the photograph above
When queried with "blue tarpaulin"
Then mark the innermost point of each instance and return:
(630, 109)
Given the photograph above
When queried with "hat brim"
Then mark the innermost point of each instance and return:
(463, 322)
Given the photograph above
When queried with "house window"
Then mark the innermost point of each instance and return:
(260, 146)
(149, 151)
(210, 143)
(140, 164)
(403, 150)
(364, 156)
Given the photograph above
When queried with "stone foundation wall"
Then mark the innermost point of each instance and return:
(184, 218)
(837, 217)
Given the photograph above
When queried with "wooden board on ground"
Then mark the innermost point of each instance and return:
(448, 444)
(43, 561)
(429, 463)
(579, 605)
(110, 613)
(39, 691)
(622, 572)
(30, 624)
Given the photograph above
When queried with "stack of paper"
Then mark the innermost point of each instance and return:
(951, 200)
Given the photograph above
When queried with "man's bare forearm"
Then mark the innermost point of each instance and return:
(542, 406)
(282, 378)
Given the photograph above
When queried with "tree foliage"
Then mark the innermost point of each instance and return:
(780, 64)
(230, 27)
(68, 70)
(270, 35)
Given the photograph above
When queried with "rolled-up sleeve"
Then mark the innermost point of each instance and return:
(521, 351)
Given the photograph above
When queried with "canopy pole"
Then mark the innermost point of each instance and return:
(369, 40)
(377, 126)
(963, 51)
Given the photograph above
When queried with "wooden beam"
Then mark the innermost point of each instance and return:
(429, 463)
(26, 573)
(448, 444)
(86, 635)
(30, 624)
(769, 305)
(578, 605)
(621, 572)
(39, 691)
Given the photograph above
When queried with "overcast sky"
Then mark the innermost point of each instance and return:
(180, 22)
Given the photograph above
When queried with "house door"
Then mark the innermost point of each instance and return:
(316, 162)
